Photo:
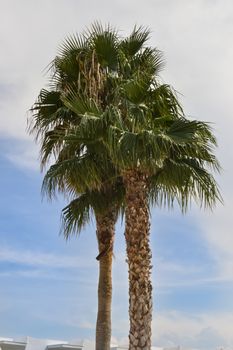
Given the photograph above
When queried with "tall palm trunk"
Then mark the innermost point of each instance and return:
(105, 236)
(139, 260)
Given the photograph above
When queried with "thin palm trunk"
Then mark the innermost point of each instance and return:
(139, 260)
(105, 236)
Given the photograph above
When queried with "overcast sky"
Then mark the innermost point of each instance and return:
(47, 286)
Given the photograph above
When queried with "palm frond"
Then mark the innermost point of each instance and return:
(183, 180)
(73, 44)
(135, 41)
(149, 61)
(76, 215)
(52, 143)
(163, 102)
(81, 104)
(43, 112)
(135, 90)
(72, 176)
(104, 43)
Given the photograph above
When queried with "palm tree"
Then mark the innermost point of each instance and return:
(145, 131)
(83, 175)
(51, 121)
(113, 102)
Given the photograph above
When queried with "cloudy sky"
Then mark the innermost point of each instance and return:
(48, 286)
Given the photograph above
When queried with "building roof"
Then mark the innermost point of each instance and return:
(37, 344)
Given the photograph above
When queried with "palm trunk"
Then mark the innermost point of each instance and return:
(139, 260)
(105, 236)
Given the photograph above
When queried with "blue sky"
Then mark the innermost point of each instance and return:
(47, 285)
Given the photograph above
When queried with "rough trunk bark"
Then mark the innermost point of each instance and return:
(139, 260)
(105, 236)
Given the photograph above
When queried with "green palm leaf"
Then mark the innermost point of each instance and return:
(72, 176)
(135, 41)
(105, 45)
(76, 215)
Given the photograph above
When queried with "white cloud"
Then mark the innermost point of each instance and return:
(36, 258)
(24, 155)
(218, 232)
(203, 331)
(35, 273)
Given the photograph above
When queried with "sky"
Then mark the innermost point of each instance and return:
(47, 285)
